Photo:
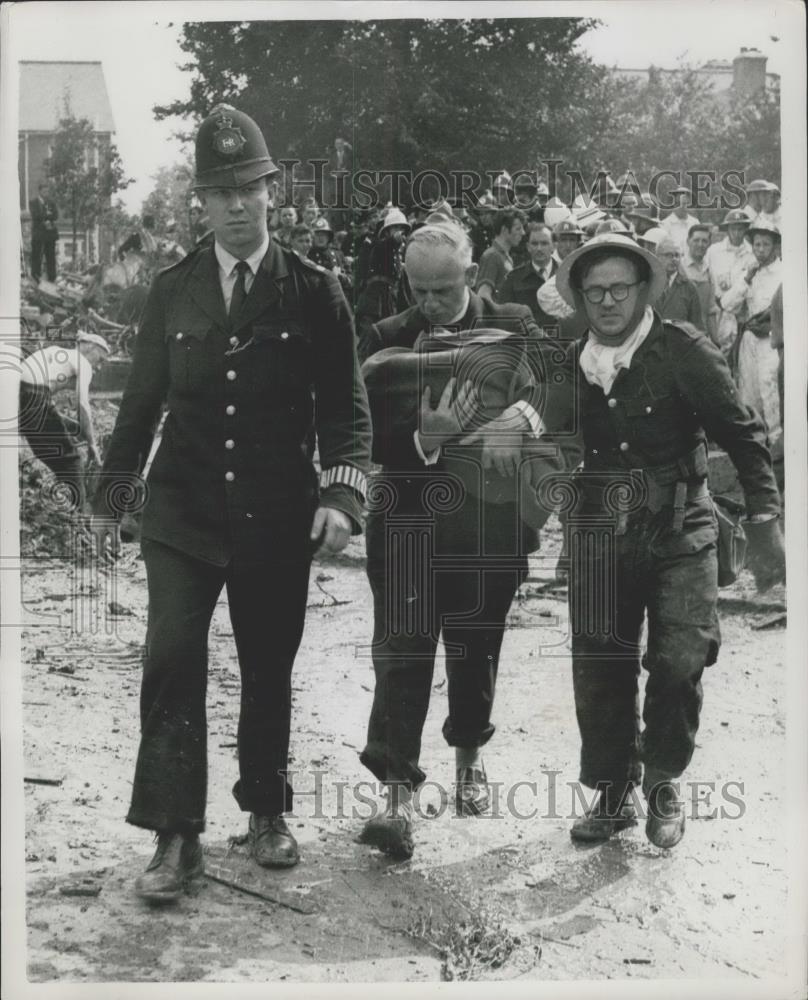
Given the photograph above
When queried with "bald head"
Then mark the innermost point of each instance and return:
(670, 253)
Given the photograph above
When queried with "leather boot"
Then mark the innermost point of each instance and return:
(608, 816)
(177, 860)
(665, 824)
(272, 844)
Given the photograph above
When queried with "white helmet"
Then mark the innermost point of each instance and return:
(555, 211)
(395, 217)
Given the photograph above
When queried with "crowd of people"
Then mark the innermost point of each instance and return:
(721, 277)
(249, 346)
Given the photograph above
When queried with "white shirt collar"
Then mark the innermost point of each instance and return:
(543, 272)
(227, 261)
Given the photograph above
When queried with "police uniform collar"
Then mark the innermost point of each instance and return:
(227, 261)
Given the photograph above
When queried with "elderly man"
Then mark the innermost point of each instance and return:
(727, 260)
(645, 395)
(48, 433)
(523, 282)
(679, 223)
(252, 349)
(750, 296)
(459, 583)
(679, 299)
(696, 269)
(496, 262)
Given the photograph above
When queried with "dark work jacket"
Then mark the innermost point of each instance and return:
(292, 372)
(677, 391)
(396, 451)
(521, 286)
(43, 213)
(680, 301)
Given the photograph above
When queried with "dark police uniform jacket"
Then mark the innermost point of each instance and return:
(233, 476)
(653, 426)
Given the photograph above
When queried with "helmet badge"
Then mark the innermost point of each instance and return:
(228, 139)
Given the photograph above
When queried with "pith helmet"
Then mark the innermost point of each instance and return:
(656, 283)
(765, 229)
(395, 217)
(759, 185)
(556, 211)
(567, 227)
(611, 226)
(230, 150)
(735, 217)
(504, 181)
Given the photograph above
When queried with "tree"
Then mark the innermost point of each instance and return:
(86, 171)
(170, 201)
(409, 95)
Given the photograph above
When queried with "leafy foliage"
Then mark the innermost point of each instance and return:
(86, 171)
(170, 199)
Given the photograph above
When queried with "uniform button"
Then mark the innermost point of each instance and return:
(624, 446)
(230, 443)
(179, 336)
(230, 410)
(648, 409)
(595, 451)
(612, 403)
(234, 341)
(231, 375)
(230, 476)
(284, 335)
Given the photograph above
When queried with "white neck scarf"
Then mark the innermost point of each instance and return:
(601, 362)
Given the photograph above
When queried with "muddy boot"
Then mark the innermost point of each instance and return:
(391, 832)
(271, 842)
(610, 814)
(177, 860)
(665, 823)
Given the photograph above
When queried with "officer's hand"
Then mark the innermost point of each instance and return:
(331, 528)
(502, 440)
(105, 538)
(447, 419)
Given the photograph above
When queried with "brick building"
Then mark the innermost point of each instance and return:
(44, 88)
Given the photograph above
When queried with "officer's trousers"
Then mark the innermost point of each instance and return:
(617, 581)
(267, 609)
(456, 581)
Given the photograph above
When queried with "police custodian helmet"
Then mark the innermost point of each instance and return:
(230, 150)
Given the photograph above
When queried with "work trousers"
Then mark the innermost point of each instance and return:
(49, 436)
(456, 580)
(617, 580)
(267, 609)
(40, 247)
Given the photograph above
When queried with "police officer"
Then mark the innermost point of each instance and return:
(648, 394)
(234, 338)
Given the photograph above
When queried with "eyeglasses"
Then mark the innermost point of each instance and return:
(619, 293)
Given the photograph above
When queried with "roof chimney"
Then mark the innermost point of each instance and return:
(749, 72)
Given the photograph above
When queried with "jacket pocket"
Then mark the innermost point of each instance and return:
(282, 356)
(186, 354)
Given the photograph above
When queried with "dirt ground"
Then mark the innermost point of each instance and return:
(503, 897)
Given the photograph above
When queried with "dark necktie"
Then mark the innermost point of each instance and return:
(239, 291)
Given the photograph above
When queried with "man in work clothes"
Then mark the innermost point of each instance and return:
(728, 259)
(647, 394)
(47, 431)
(234, 339)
